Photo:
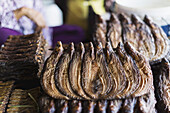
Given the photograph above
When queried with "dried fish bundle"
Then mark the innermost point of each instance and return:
(161, 73)
(22, 57)
(161, 40)
(100, 31)
(85, 72)
(5, 91)
(24, 101)
(142, 104)
(144, 35)
(114, 30)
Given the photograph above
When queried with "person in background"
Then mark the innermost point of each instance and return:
(109, 5)
(24, 16)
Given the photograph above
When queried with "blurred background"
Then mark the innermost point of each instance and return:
(72, 20)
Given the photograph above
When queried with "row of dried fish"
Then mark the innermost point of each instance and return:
(144, 35)
(143, 104)
(85, 72)
(22, 57)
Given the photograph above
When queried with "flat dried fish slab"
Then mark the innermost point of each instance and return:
(61, 73)
(47, 77)
(146, 78)
(146, 42)
(75, 71)
(161, 40)
(101, 29)
(131, 71)
(114, 31)
(117, 73)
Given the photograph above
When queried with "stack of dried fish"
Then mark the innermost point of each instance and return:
(21, 57)
(5, 91)
(108, 76)
(85, 72)
(24, 101)
(143, 104)
(18, 100)
(145, 36)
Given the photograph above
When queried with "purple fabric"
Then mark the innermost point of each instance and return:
(67, 34)
(5, 32)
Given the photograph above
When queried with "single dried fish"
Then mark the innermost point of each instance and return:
(100, 32)
(114, 31)
(47, 77)
(117, 73)
(87, 76)
(75, 71)
(131, 71)
(146, 82)
(146, 42)
(161, 40)
(61, 73)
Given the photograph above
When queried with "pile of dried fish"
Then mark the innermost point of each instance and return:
(84, 72)
(112, 74)
(144, 35)
(22, 57)
(143, 104)
(146, 103)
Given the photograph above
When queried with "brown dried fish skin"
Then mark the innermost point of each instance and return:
(101, 106)
(61, 106)
(146, 42)
(146, 82)
(114, 31)
(47, 77)
(75, 71)
(88, 106)
(61, 73)
(117, 73)
(131, 71)
(104, 75)
(129, 33)
(161, 40)
(100, 32)
(146, 103)
(89, 72)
